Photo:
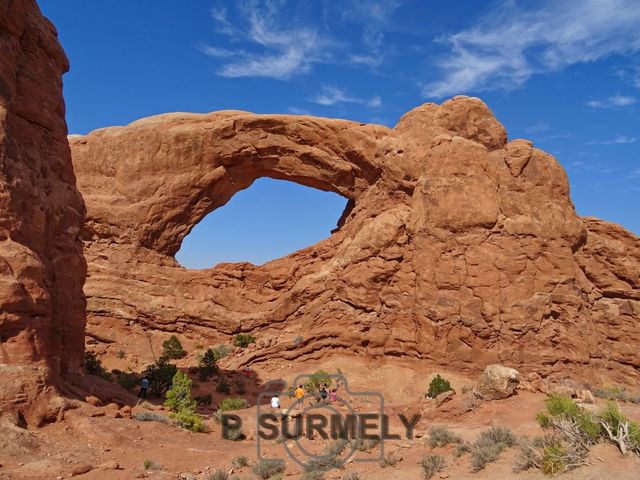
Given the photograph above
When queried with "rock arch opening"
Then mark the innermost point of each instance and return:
(268, 220)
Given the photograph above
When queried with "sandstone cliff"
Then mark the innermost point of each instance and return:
(457, 246)
(42, 269)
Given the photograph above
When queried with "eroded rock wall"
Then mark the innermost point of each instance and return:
(42, 268)
(461, 247)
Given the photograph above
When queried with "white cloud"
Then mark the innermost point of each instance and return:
(617, 140)
(635, 173)
(508, 46)
(538, 127)
(280, 52)
(298, 111)
(616, 100)
(330, 96)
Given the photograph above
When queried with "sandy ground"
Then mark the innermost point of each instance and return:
(89, 436)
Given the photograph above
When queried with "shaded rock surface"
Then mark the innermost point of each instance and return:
(457, 246)
(42, 269)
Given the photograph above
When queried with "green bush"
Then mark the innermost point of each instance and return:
(561, 406)
(441, 437)
(554, 458)
(268, 468)
(431, 464)
(243, 340)
(180, 402)
(207, 365)
(179, 395)
(316, 380)
(93, 366)
(172, 348)
(240, 461)
(233, 404)
(160, 375)
(205, 399)
(437, 386)
(614, 419)
(223, 387)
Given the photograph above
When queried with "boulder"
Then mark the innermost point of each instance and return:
(497, 382)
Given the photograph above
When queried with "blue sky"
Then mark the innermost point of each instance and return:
(565, 74)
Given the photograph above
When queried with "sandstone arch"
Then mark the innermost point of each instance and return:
(461, 248)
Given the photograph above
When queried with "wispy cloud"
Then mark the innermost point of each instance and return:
(537, 127)
(614, 101)
(298, 111)
(277, 51)
(617, 140)
(635, 173)
(511, 44)
(330, 96)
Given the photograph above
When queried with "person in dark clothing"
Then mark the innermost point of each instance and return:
(144, 386)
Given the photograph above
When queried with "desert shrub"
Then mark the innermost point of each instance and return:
(442, 436)
(240, 461)
(489, 445)
(543, 419)
(172, 348)
(220, 351)
(189, 420)
(298, 341)
(233, 404)
(150, 417)
(351, 476)
(616, 393)
(126, 380)
(571, 420)
(223, 387)
(365, 445)
(336, 447)
(151, 465)
(437, 386)
(389, 460)
(243, 340)
(234, 434)
(431, 464)
(205, 399)
(552, 454)
(312, 475)
(619, 429)
(316, 380)
(462, 448)
(498, 435)
(323, 463)
(121, 354)
(269, 467)
(160, 375)
(207, 365)
(93, 366)
(484, 454)
(218, 474)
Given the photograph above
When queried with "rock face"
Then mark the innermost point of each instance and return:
(497, 382)
(42, 269)
(457, 246)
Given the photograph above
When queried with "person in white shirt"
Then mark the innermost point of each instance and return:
(275, 402)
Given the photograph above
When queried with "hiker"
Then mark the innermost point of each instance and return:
(333, 395)
(323, 392)
(144, 386)
(299, 392)
(275, 402)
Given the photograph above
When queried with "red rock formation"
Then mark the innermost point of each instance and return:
(457, 247)
(42, 269)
